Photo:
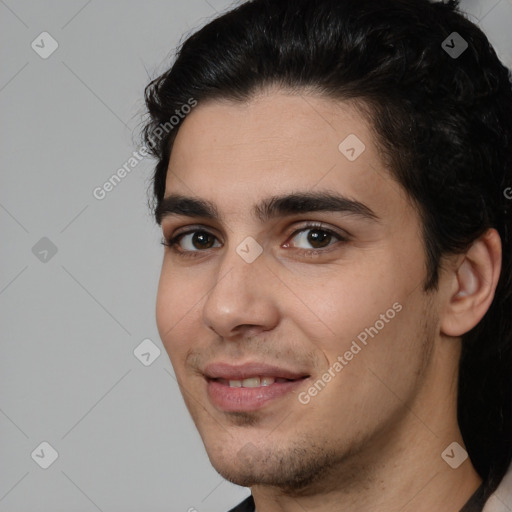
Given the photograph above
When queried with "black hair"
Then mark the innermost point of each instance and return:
(443, 123)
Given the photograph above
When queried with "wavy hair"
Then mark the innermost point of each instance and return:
(443, 124)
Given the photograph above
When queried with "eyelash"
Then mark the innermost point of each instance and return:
(173, 241)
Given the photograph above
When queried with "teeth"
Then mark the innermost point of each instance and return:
(252, 382)
(266, 381)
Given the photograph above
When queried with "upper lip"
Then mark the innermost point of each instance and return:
(251, 369)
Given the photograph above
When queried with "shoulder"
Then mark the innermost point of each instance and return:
(246, 506)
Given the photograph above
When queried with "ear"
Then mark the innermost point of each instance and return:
(473, 282)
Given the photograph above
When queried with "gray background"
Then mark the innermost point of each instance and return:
(70, 321)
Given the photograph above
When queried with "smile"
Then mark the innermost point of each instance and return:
(252, 382)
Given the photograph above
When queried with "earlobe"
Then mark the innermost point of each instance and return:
(476, 278)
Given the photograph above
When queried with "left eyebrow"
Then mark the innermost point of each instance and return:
(305, 202)
(269, 208)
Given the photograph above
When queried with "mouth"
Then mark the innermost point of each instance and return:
(249, 387)
(253, 382)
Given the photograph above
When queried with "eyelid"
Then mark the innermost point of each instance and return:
(191, 228)
(174, 240)
(343, 235)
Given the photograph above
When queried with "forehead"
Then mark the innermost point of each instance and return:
(235, 153)
(271, 128)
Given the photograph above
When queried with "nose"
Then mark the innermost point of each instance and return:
(244, 300)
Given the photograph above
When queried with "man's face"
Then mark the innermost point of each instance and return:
(338, 310)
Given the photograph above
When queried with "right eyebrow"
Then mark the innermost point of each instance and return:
(176, 204)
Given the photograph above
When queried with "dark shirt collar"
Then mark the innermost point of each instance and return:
(474, 504)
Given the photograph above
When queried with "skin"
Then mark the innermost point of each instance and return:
(372, 438)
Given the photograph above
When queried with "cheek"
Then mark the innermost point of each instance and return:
(381, 357)
(177, 307)
(346, 303)
(370, 317)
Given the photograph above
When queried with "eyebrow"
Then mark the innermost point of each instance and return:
(269, 208)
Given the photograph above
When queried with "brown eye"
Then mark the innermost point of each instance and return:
(202, 240)
(191, 242)
(314, 237)
(319, 238)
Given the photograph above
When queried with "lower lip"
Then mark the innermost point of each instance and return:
(248, 399)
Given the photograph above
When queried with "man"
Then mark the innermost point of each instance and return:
(335, 294)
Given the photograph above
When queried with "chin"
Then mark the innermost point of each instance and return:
(296, 469)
